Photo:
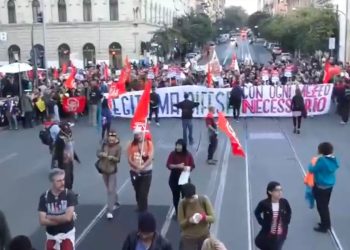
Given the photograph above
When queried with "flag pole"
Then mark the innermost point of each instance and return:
(143, 140)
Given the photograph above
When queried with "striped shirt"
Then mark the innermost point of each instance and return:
(276, 229)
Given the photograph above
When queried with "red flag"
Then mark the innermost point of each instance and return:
(156, 70)
(64, 69)
(326, 75)
(225, 127)
(74, 104)
(209, 78)
(55, 74)
(69, 84)
(141, 112)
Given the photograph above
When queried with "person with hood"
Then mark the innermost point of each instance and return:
(273, 215)
(5, 236)
(178, 161)
(109, 157)
(146, 237)
(298, 110)
(324, 178)
(64, 153)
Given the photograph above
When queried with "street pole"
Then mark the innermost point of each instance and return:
(44, 40)
(34, 62)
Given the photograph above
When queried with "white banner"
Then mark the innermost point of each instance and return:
(259, 101)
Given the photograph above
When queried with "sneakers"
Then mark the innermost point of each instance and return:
(298, 131)
(343, 123)
(294, 130)
(109, 216)
(158, 124)
(211, 162)
(320, 229)
(116, 206)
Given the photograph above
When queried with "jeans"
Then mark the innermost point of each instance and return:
(297, 122)
(12, 120)
(344, 111)
(93, 114)
(155, 111)
(69, 174)
(213, 143)
(111, 186)
(187, 124)
(322, 197)
(141, 183)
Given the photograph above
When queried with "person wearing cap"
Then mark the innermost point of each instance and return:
(5, 236)
(109, 157)
(146, 237)
(64, 153)
(273, 215)
(187, 107)
(154, 105)
(195, 215)
(140, 157)
(21, 242)
(11, 111)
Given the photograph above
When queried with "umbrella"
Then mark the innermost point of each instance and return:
(15, 68)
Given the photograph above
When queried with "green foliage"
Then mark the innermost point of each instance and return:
(306, 29)
(234, 17)
(257, 18)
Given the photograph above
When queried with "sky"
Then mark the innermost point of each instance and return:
(249, 5)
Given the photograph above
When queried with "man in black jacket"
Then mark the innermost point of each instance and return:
(187, 107)
(154, 105)
(236, 96)
(146, 237)
(64, 153)
(4, 233)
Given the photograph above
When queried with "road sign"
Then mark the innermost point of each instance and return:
(331, 43)
(3, 36)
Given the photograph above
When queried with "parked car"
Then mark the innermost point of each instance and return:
(286, 57)
(276, 50)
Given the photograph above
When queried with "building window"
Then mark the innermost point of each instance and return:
(115, 55)
(11, 9)
(63, 54)
(113, 10)
(89, 54)
(62, 11)
(14, 53)
(87, 12)
(35, 10)
(38, 55)
(145, 10)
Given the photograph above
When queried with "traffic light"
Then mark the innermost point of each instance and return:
(39, 17)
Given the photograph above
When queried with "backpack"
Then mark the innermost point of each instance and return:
(45, 136)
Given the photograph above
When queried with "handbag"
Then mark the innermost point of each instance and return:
(97, 166)
(304, 113)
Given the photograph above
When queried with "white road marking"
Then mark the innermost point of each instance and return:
(333, 234)
(97, 218)
(248, 192)
(221, 189)
(8, 157)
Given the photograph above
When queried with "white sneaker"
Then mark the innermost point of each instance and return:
(149, 122)
(158, 124)
(342, 123)
(109, 216)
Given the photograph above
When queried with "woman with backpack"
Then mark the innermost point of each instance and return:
(195, 215)
(298, 110)
(108, 158)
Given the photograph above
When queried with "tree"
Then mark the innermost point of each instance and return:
(257, 18)
(307, 29)
(234, 17)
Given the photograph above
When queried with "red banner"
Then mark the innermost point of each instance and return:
(74, 104)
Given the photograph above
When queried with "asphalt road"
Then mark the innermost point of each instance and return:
(234, 186)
